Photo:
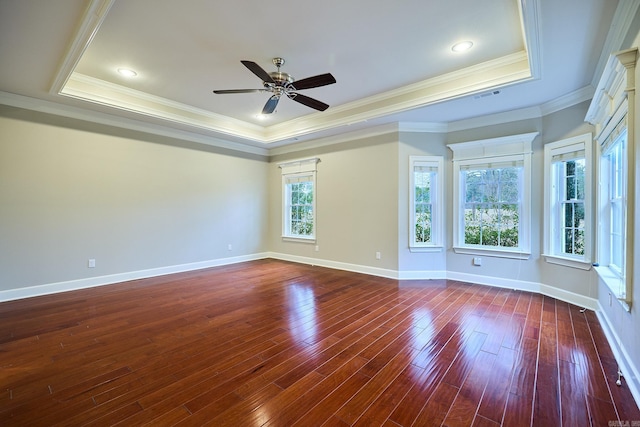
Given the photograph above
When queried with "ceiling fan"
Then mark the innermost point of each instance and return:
(280, 83)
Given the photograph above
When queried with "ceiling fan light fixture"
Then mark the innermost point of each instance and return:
(462, 46)
(127, 72)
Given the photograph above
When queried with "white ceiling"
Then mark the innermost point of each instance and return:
(392, 61)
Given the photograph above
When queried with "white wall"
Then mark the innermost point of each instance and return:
(68, 195)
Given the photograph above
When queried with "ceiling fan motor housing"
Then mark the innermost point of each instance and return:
(281, 79)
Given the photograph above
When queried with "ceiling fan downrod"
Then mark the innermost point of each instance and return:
(280, 78)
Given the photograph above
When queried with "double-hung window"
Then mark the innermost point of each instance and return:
(567, 204)
(613, 112)
(613, 166)
(426, 207)
(299, 199)
(492, 196)
(613, 201)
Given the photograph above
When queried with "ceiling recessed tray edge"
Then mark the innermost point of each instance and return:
(500, 72)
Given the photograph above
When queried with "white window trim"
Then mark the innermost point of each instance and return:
(482, 151)
(298, 168)
(577, 143)
(437, 225)
(614, 97)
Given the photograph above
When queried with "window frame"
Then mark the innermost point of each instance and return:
(306, 170)
(615, 277)
(615, 99)
(437, 205)
(483, 152)
(570, 148)
(616, 195)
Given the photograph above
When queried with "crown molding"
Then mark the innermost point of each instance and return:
(530, 24)
(568, 100)
(475, 79)
(622, 19)
(116, 96)
(54, 108)
(94, 16)
(370, 132)
(423, 127)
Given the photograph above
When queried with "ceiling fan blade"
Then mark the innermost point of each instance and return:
(271, 104)
(258, 71)
(315, 81)
(238, 91)
(309, 102)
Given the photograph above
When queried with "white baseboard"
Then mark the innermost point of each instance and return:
(355, 268)
(523, 285)
(52, 288)
(90, 282)
(562, 295)
(629, 370)
(422, 275)
(364, 269)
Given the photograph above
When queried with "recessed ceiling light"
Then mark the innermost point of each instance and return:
(462, 46)
(127, 72)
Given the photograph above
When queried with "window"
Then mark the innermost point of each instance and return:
(614, 166)
(425, 210)
(612, 229)
(299, 206)
(567, 204)
(612, 112)
(492, 204)
(492, 196)
(299, 199)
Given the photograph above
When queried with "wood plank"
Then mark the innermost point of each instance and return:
(573, 395)
(494, 400)
(465, 405)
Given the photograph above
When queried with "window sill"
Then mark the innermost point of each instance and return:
(418, 249)
(299, 239)
(612, 281)
(499, 253)
(567, 262)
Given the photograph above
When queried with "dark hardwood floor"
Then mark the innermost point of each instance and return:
(280, 344)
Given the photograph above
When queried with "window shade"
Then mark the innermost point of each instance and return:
(620, 128)
(299, 166)
(565, 157)
(568, 152)
(425, 168)
(494, 164)
(294, 179)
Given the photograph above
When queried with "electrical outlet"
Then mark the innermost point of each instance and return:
(317, 249)
(91, 263)
(229, 247)
(378, 255)
(477, 261)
